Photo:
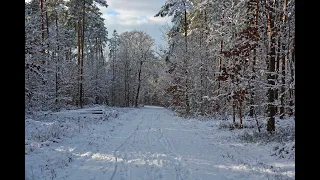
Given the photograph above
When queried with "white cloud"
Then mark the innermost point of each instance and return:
(126, 15)
(130, 18)
(143, 6)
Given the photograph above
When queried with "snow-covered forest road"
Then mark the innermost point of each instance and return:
(152, 143)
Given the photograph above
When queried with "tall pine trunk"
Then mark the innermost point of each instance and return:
(271, 74)
(201, 74)
(82, 56)
(42, 29)
(254, 59)
(186, 63)
(283, 62)
(113, 74)
(220, 57)
(291, 89)
(47, 20)
(57, 62)
(240, 113)
(79, 58)
(277, 64)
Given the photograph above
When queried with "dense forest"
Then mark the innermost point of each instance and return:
(224, 58)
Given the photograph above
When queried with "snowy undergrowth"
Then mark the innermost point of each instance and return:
(225, 124)
(280, 146)
(39, 134)
(51, 127)
(270, 155)
(45, 129)
(41, 166)
(283, 140)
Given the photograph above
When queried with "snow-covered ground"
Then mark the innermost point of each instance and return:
(147, 143)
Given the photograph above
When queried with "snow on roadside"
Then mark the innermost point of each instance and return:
(281, 143)
(276, 153)
(48, 128)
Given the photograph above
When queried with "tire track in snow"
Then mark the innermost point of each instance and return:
(122, 144)
(154, 171)
(181, 173)
(134, 141)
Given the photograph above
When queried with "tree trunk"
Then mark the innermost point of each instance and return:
(79, 57)
(240, 113)
(42, 28)
(201, 74)
(97, 66)
(101, 52)
(47, 21)
(271, 76)
(206, 61)
(233, 111)
(279, 53)
(291, 90)
(251, 112)
(186, 62)
(82, 57)
(57, 61)
(283, 62)
(113, 74)
(277, 64)
(220, 57)
(139, 83)
(126, 89)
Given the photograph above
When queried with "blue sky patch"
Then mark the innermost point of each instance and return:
(111, 11)
(142, 17)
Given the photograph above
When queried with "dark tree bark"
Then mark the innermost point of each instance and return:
(201, 75)
(271, 76)
(82, 57)
(79, 58)
(220, 57)
(254, 59)
(277, 64)
(57, 61)
(42, 28)
(240, 113)
(47, 21)
(186, 62)
(292, 89)
(205, 69)
(283, 62)
(139, 83)
(113, 73)
(233, 111)
(126, 85)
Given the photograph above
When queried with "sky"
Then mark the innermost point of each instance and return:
(127, 15)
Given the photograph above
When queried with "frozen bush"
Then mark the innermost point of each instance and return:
(282, 134)
(286, 150)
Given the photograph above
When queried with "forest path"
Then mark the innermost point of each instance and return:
(151, 143)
